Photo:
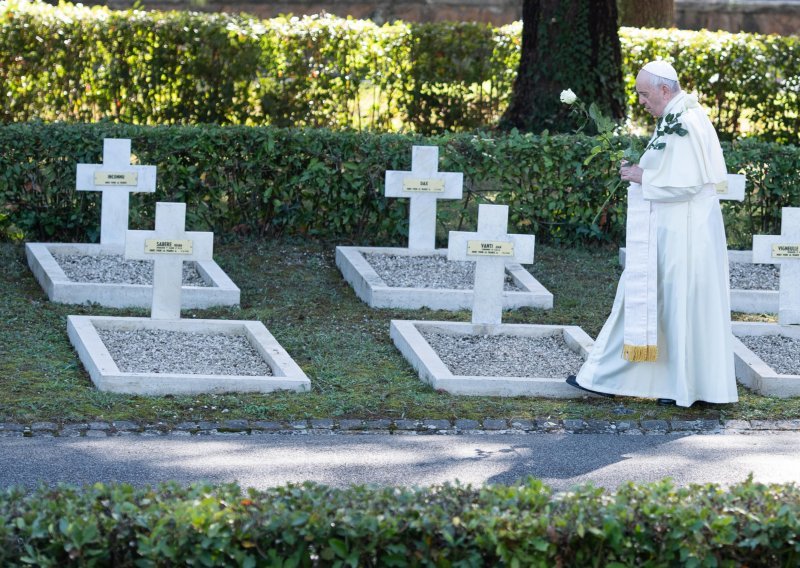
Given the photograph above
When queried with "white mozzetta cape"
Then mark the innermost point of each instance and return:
(695, 351)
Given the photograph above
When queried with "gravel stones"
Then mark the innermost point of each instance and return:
(115, 269)
(427, 272)
(505, 355)
(162, 351)
(778, 351)
(747, 276)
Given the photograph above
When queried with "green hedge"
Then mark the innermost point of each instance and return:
(749, 524)
(330, 184)
(85, 64)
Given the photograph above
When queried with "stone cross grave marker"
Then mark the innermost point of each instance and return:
(733, 188)
(490, 248)
(168, 246)
(116, 178)
(784, 250)
(423, 185)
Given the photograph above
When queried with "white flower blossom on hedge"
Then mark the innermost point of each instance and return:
(568, 97)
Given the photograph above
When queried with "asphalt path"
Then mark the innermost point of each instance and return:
(260, 461)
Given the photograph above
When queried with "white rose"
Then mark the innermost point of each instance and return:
(568, 97)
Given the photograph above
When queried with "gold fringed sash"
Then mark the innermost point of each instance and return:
(640, 353)
(640, 333)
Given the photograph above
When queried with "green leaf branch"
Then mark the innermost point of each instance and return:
(607, 150)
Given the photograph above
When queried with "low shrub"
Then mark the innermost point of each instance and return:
(330, 184)
(749, 524)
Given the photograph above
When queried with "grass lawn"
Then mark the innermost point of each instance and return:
(295, 289)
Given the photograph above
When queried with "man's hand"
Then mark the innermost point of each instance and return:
(630, 172)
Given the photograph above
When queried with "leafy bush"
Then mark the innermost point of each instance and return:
(329, 184)
(76, 63)
(451, 525)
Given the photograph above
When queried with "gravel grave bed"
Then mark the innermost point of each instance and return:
(505, 355)
(115, 269)
(747, 276)
(427, 272)
(163, 351)
(778, 351)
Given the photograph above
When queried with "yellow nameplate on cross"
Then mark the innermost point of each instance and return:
(722, 188)
(422, 185)
(490, 248)
(157, 246)
(116, 178)
(786, 251)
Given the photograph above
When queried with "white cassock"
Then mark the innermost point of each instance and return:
(695, 348)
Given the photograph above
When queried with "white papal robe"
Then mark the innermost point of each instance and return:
(695, 347)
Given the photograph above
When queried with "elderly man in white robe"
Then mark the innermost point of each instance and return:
(669, 335)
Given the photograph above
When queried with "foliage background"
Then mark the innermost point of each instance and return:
(73, 63)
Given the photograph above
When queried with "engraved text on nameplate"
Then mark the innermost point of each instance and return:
(786, 251)
(722, 188)
(490, 248)
(423, 185)
(158, 246)
(116, 178)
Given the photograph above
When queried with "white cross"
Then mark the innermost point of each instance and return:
(116, 178)
(168, 246)
(785, 251)
(423, 185)
(732, 189)
(490, 248)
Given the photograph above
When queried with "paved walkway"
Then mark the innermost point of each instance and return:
(340, 456)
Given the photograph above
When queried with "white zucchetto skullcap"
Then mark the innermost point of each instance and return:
(661, 69)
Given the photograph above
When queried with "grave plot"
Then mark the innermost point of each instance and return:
(421, 275)
(487, 357)
(98, 273)
(164, 354)
(767, 355)
(754, 287)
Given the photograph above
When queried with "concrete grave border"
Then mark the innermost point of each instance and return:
(745, 301)
(407, 337)
(371, 288)
(62, 290)
(752, 371)
(106, 376)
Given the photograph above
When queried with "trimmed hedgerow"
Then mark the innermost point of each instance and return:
(75, 63)
(330, 184)
(749, 524)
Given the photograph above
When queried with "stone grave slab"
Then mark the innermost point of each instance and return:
(84, 331)
(375, 292)
(424, 185)
(407, 335)
(749, 301)
(490, 247)
(220, 290)
(752, 371)
(169, 244)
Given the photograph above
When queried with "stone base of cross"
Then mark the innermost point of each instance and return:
(168, 246)
(785, 251)
(490, 248)
(116, 178)
(424, 185)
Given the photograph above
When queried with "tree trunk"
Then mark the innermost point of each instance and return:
(646, 13)
(566, 44)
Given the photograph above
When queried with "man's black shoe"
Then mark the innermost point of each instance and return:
(573, 382)
(666, 402)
